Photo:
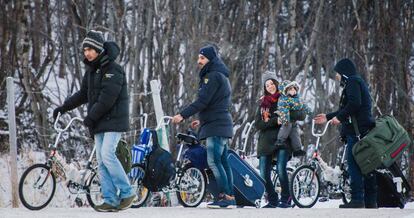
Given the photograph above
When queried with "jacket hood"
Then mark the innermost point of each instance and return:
(111, 52)
(345, 67)
(283, 86)
(215, 65)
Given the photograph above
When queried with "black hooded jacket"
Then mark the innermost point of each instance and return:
(213, 101)
(355, 100)
(104, 88)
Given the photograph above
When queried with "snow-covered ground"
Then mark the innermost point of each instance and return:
(178, 212)
(63, 205)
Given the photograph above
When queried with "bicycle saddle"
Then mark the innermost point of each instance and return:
(187, 138)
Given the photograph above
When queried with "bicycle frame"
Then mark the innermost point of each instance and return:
(318, 163)
(85, 176)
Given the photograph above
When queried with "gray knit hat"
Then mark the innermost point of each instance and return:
(94, 39)
(268, 75)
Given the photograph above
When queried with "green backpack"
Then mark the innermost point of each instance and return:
(382, 146)
(123, 152)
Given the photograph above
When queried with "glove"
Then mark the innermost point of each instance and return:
(88, 122)
(60, 109)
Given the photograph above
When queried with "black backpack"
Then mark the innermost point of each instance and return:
(160, 168)
(388, 196)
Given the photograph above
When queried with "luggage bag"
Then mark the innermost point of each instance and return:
(248, 186)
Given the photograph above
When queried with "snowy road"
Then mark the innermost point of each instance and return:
(178, 212)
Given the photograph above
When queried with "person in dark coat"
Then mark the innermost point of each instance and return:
(216, 125)
(355, 102)
(104, 89)
(266, 122)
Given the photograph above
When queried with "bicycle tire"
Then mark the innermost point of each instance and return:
(94, 196)
(184, 197)
(346, 189)
(297, 184)
(137, 182)
(24, 180)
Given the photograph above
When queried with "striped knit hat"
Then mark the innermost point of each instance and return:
(95, 40)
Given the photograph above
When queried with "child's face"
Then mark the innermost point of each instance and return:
(291, 91)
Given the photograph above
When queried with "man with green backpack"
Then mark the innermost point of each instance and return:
(355, 104)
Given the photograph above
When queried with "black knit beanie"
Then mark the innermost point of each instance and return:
(95, 40)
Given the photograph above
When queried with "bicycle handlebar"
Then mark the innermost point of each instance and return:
(245, 135)
(163, 122)
(324, 129)
(145, 118)
(67, 126)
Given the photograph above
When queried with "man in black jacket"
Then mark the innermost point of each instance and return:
(216, 124)
(355, 102)
(104, 88)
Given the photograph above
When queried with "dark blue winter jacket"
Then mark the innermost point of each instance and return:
(213, 102)
(355, 100)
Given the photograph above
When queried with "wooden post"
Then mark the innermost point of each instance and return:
(12, 141)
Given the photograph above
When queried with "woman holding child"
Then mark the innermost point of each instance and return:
(266, 121)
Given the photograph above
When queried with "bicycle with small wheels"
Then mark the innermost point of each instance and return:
(38, 183)
(189, 182)
(306, 181)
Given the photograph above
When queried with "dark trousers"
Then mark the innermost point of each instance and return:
(363, 188)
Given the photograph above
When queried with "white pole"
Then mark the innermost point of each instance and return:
(12, 141)
(159, 112)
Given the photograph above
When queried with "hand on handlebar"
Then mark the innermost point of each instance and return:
(320, 119)
(177, 119)
(58, 110)
(335, 121)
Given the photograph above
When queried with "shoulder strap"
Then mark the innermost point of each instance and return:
(154, 138)
(355, 124)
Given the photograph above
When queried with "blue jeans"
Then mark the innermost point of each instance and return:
(265, 166)
(363, 188)
(112, 176)
(282, 159)
(217, 161)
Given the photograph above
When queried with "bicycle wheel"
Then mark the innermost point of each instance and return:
(192, 187)
(93, 190)
(136, 177)
(305, 187)
(37, 187)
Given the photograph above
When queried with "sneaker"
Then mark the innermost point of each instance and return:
(225, 201)
(353, 204)
(299, 153)
(126, 202)
(282, 204)
(105, 208)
